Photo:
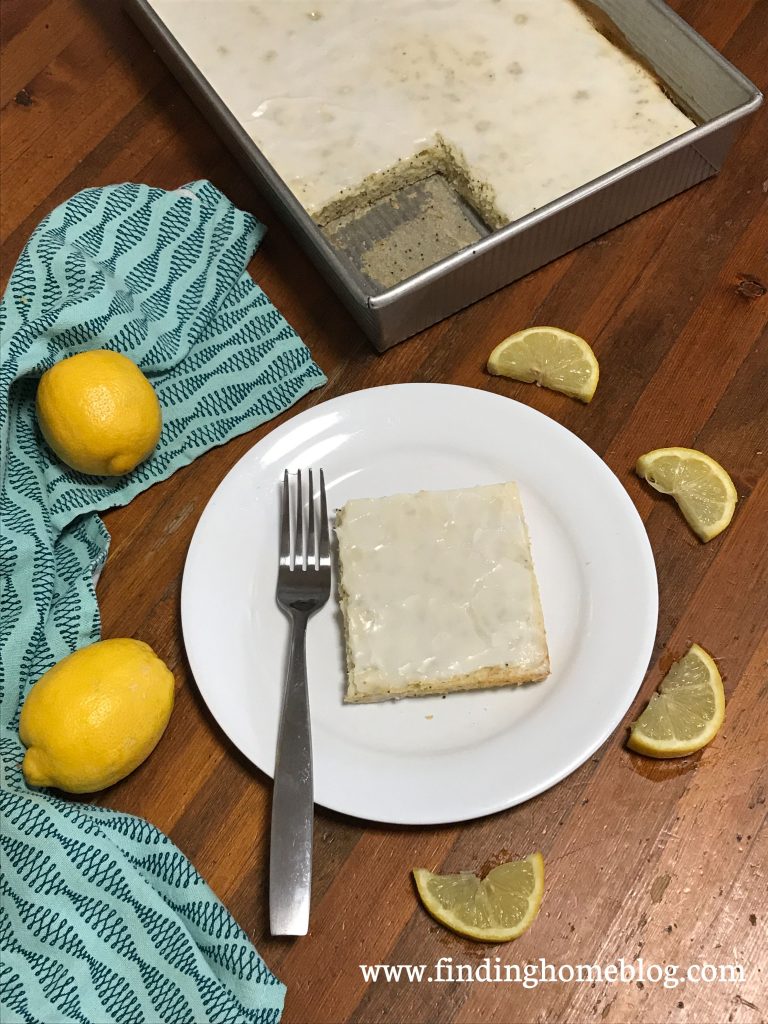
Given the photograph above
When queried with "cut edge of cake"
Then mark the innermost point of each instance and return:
(492, 678)
(441, 157)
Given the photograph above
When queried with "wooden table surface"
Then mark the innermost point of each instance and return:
(660, 860)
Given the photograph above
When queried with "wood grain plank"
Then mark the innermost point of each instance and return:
(643, 858)
(16, 16)
(55, 97)
(24, 193)
(39, 40)
(719, 803)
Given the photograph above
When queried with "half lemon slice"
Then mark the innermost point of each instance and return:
(686, 711)
(548, 356)
(699, 485)
(497, 908)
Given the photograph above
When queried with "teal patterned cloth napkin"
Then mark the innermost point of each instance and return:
(102, 919)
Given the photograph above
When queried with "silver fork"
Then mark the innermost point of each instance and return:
(302, 587)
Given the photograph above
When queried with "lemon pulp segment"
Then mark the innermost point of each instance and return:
(685, 713)
(548, 356)
(497, 908)
(701, 487)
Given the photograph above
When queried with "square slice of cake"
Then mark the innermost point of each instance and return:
(438, 593)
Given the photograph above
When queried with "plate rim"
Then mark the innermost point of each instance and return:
(648, 627)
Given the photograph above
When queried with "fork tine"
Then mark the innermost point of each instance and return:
(325, 546)
(285, 525)
(298, 558)
(311, 558)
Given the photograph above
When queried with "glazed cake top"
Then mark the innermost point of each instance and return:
(438, 586)
(527, 92)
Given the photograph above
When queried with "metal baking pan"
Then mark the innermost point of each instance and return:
(710, 90)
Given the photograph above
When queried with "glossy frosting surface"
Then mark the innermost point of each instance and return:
(532, 97)
(438, 585)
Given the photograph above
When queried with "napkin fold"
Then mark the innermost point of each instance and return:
(102, 918)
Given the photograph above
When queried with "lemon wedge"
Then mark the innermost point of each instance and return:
(497, 908)
(548, 356)
(686, 711)
(699, 485)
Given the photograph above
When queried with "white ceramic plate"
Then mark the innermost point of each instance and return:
(426, 760)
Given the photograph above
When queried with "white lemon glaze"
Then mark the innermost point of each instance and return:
(439, 593)
(527, 93)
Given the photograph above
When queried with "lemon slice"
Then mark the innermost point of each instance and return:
(686, 711)
(497, 908)
(550, 357)
(699, 485)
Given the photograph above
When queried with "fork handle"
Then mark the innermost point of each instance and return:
(290, 859)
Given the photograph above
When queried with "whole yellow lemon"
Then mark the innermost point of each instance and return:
(95, 716)
(99, 413)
